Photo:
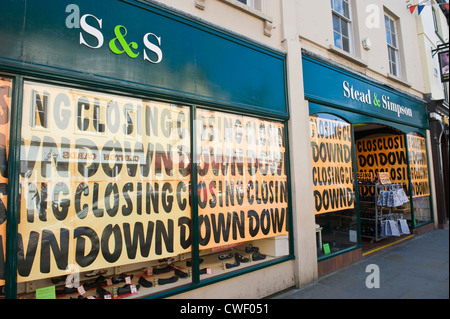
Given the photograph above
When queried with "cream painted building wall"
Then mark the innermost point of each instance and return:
(290, 26)
(316, 35)
(429, 39)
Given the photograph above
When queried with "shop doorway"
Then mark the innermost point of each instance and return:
(384, 207)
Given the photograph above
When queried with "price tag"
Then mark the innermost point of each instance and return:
(107, 297)
(128, 280)
(81, 290)
(90, 297)
(133, 289)
(383, 177)
(208, 271)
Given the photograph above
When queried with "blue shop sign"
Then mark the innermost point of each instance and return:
(330, 85)
(144, 47)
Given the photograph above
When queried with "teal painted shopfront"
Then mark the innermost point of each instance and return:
(144, 152)
(361, 128)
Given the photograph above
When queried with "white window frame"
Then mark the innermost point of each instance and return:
(393, 45)
(342, 18)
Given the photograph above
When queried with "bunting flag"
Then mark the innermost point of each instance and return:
(421, 6)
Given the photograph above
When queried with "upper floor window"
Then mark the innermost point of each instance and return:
(256, 4)
(342, 30)
(392, 46)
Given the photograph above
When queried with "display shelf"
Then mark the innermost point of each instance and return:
(372, 214)
(210, 266)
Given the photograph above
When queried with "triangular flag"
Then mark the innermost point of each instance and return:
(412, 8)
(420, 8)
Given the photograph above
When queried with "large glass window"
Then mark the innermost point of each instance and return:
(106, 194)
(334, 192)
(5, 107)
(105, 209)
(242, 191)
(420, 186)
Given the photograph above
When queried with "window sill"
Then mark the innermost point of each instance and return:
(347, 55)
(268, 21)
(398, 80)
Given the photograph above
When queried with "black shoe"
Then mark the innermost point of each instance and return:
(235, 264)
(158, 271)
(250, 249)
(56, 280)
(120, 279)
(164, 281)
(180, 274)
(145, 283)
(240, 258)
(126, 289)
(68, 290)
(227, 256)
(189, 262)
(102, 291)
(258, 256)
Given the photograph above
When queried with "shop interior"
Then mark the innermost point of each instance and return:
(384, 208)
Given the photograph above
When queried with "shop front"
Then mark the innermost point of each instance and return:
(370, 163)
(143, 153)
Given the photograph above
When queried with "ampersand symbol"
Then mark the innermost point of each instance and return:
(125, 46)
(376, 101)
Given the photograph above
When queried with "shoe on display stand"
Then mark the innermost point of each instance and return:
(126, 289)
(241, 258)
(258, 256)
(232, 265)
(145, 283)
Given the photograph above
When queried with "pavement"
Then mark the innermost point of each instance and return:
(417, 268)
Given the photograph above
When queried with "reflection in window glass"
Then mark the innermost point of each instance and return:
(242, 191)
(418, 164)
(5, 107)
(336, 217)
(105, 208)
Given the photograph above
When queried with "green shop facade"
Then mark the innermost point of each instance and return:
(144, 152)
(370, 162)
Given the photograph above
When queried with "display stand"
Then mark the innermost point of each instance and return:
(383, 213)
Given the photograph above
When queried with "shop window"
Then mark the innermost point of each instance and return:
(242, 191)
(420, 187)
(102, 215)
(334, 190)
(342, 24)
(5, 107)
(392, 45)
(109, 216)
